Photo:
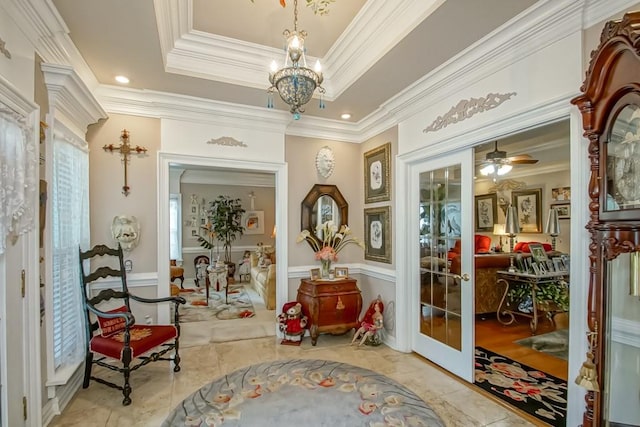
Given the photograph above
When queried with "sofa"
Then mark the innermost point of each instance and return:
(263, 277)
(486, 264)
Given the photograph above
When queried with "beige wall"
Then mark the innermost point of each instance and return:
(546, 182)
(300, 155)
(106, 176)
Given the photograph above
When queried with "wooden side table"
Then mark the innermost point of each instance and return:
(333, 306)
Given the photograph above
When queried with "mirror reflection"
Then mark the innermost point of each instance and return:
(323, 203)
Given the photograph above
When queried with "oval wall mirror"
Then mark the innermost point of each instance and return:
(323, 203)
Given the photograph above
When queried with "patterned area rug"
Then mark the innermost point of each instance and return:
(541, 395)
(555, 343)
(237, 306)
(303, 393)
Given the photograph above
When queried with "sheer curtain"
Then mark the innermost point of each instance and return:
(18, 176)
(70, 230)
(175, 234)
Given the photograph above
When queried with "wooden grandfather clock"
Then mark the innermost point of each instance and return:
(610, 108)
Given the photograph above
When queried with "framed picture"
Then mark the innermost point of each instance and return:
(376, 174)
(314, 273)
(253, 222)
(377, 225)
(558, 264)
(560, 194)
(341, 272)
(194, 209)
(564, 210)
(535, 268)
(538, 253)
(528, 204)
(486, 211)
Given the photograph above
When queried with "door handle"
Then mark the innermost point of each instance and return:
(466, 277)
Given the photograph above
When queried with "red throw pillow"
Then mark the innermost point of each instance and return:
(110, 326)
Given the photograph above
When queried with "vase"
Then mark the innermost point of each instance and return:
(326, 267)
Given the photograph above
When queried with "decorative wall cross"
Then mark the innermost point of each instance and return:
(125, 150)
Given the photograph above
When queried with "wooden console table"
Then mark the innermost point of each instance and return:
(506, 315)
(333, 306)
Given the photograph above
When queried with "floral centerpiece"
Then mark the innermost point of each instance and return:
(333, 240)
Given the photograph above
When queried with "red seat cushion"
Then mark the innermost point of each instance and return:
(142, 339)
(524, 247)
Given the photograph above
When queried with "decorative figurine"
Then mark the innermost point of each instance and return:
(370, 331)
(292, 323)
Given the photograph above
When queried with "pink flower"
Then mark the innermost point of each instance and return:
(327, 253)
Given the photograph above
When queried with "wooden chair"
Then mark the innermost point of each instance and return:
(113, 337)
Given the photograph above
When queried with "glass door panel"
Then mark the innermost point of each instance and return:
(445, 311)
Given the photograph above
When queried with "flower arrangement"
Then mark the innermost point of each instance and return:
(333, 240)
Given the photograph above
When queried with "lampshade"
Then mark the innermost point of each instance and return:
(498, 230)
(553, 225)
(512, 227)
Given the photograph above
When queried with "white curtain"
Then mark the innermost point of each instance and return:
(70, 231)
(18, 176)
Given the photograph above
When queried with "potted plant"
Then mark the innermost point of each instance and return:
(225, 218)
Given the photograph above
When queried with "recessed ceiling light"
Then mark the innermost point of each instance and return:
(346, 116)
(122, 79)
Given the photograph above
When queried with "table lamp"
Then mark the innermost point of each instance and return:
(512, 228)
(498, 230)
(553, 226)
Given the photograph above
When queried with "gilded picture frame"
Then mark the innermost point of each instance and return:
(377, 224)
(486, 211)
(528, 205)
(314, 273)
(377, 174)
(341, 272)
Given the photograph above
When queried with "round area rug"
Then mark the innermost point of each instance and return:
(303, 393)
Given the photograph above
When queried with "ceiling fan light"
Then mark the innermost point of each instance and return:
(487, 170)
(504, 169)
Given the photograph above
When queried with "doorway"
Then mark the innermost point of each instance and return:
(166, 161)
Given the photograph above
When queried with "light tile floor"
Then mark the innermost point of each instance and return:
(157, 389)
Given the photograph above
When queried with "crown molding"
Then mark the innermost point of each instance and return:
(362, 44)
(194, 53)
(69, 96)
(596, 11)
(164, 105)
(229, 177)
(46, 30)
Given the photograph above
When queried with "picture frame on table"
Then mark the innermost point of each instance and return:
(314, 273)
(377, 174)
(538, 253)
(253, 222)
(535, 268)
(486, 211)
(377, 242)
(558, 264)
(528, 204)
(341, 272)
(564, 210)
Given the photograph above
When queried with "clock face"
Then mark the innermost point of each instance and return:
(623, 161)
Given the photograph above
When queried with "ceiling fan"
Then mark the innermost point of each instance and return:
(497, 163)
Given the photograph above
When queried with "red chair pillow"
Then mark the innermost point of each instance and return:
(524, 247)
(110, 326)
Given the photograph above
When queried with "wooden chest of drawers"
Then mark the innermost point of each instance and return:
(333, 306)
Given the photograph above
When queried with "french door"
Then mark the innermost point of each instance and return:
(442, 288)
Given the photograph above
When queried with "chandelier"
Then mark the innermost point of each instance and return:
(295, 82)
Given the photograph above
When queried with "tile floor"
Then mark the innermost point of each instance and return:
(157, 389)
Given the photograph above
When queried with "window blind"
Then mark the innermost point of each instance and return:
(70, 230)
